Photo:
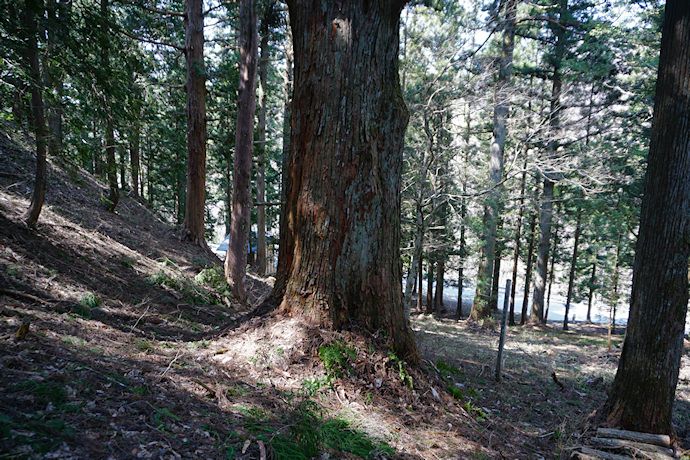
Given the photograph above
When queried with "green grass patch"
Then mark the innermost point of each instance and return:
(455, 392)
(310, 433)
(337, 359)
(399, 365)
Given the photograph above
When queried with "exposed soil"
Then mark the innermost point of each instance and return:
(134, 350)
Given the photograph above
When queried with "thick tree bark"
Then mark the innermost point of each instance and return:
(236, 257)
(34, 8)
(573, 267)
(260, 264)
(195, 110)
(341, 262)
(642, 395)
(481, 306)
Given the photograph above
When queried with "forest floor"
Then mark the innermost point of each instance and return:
(135, 350)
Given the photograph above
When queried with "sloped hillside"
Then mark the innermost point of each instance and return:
(99, 291)
(135, 350)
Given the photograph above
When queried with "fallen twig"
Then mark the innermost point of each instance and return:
(24, 295)
(171, 363)
(558, 382)
(131, 329)
(206, 387)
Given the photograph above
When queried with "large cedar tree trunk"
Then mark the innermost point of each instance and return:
(643, 391)
(33, 9)
(236, 257)
(340, 261)
(195, 110)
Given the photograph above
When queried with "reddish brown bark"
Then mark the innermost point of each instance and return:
(195, 109)
(236, 257)
(340, 260)
(643, 391)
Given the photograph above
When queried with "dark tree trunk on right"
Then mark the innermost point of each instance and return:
(643, 391)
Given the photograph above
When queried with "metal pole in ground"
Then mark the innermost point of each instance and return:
(502, 341)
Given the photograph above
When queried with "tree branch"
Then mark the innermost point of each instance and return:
(153, 42)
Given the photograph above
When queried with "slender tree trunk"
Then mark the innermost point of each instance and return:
(53, 79)
(236, 257)
(516, 250)
(552, 271)
(430, 285)
(134, 150)
(111, 165)
(573, 267)
(285, 237)
(461, 280)
(493, 300)
(481, 306)
(613, 303)
(419, 236)
(420, 269)
(416, 256)
(462, 250)
(592, 280)
(530, 260)
(438, 295)
(644, 388)
(537, 313)
(195, 110)
(342, 256)
(122, 164)
(260, 264)
(34, 8)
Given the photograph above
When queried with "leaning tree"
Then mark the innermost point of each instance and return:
(644, 388)
(340, 242)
